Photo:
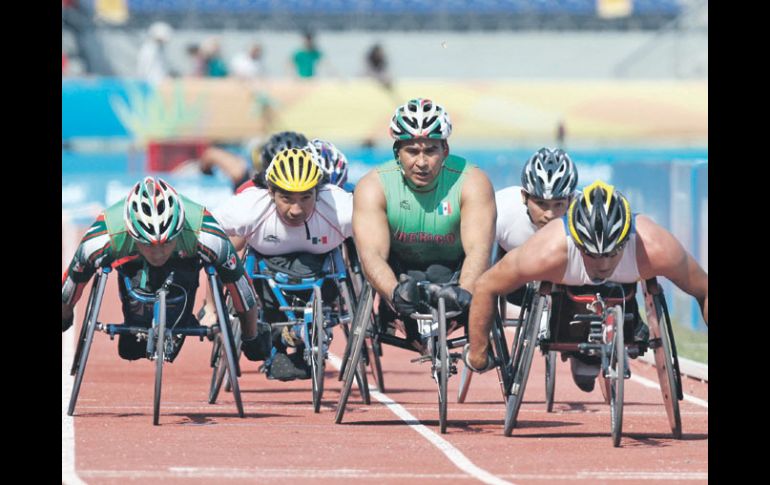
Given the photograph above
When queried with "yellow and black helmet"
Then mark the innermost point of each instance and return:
(293, 170)
(599, 219)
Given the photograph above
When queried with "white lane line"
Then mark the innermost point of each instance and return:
(455, 456)
(68, 473)
(652, 384)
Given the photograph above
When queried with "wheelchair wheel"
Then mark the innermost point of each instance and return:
(362, 381)
(83, 329)
(502, 356)
(346, 353)
(617, 372)
(237, 336)
(84, 347)
(358, 328)
(522, 361)
(220, 374)
(218, 369)
(550, 379)
(443, 365)
(317, 349)
(227, 355)
(159, 334)
(375, 363)
(666, 363)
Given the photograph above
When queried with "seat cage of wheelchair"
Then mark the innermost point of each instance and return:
(598, 307)
(149, 298)
(427, 324)
(333, 269)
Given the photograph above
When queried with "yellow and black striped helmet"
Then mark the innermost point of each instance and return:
(293, 170)
(599, 219)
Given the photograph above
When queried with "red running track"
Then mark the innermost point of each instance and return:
(281, 440)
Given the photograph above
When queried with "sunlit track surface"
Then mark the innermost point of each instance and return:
(282, 441)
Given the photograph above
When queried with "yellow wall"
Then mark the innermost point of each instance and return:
(348, 112)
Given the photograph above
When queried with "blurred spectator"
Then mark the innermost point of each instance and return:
(377, 66)
(63, 63)
(248, 65)
(306, 57)
(90, 47)
(214, 64)
(561, 133)
(152, 63)
(197, 60)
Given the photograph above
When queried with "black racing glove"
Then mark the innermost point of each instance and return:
(66, 323)
(406, 294)
(455, 298)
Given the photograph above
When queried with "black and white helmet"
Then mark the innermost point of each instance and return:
(549, 174)
(276, 143)
(599, 219)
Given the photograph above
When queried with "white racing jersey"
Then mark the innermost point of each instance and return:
(627, 271)
(513, 226)
(252, 214)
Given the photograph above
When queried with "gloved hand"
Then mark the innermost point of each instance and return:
(260, 346)
(455, 298)
(406, 295)
(66, 323)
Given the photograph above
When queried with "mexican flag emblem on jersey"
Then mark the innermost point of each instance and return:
(445, 208)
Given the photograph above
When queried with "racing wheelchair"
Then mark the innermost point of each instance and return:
(163, 340)
(605, 338)
(432, 328)
(308, 318)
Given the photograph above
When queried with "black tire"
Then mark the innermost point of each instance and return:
(617, 365)
(237, 336)
(667, 366)
(362, 381)
(160, 353)
(232, 368)
(84, 328)
(219, 369)
(346, 353)
(443, 370)
(85, 348)
(522, 361)
(317, 341)
(358, 332)
(550, 379)
(376, 363)
(502, 356)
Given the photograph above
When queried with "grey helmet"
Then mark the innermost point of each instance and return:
(549, 174)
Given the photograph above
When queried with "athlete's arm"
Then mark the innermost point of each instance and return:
(93, 250)
(372, 235)
(215, 248)
(658, 252)
(478, 213)
(542, 258)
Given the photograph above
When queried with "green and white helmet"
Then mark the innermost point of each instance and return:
(420, 118)
(153, 213)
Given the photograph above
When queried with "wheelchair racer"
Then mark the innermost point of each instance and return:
(152, 232)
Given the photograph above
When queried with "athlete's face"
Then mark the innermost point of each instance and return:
(422, 159)
(601, 267)
(294, 208)
(156, 254)
(543, 211)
